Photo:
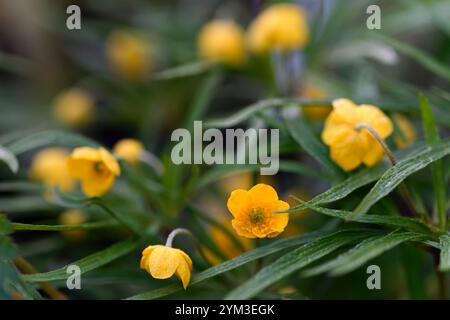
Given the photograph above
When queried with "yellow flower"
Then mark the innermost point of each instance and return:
(74, 107)
(254, 212)
(162, 262)
(225, 244)
(129, 55)
(72, 218)
(129, 149)
(222, 40)
(281, 26)
(318, 111)
(49, 167)
(407, 129)
(349, 146)
(96, 168)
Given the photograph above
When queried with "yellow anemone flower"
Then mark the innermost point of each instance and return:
(129, 55)
(129, 149)
(408, 130)
(281, 26)
(222, 40)
(254, 212)
(74, 107)
(350, 146)
(72, 218)
(49, 167)
(162, 262)
(97, 169)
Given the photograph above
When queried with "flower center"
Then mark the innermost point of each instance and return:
(99, 168)
(256, 216)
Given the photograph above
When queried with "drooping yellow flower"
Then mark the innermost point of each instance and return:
(350, 146)
(223, 41)
(129, 149)
(407, 129)
(318, 111)
(74, 107)
(229, 248)
(97, 169)
(281, 26)
(72, 218)
(162, 262)
(254, 212)
(129, 55)
(49, 167)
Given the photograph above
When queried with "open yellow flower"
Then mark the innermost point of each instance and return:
(350, 146)
(254, 212)
(97, 169)
(49, 167)
(72, 218)
(162, 262)
(281, 26)
(129, 55)
(222, 40)
(408, 131)
(74, 107)
(129, 149)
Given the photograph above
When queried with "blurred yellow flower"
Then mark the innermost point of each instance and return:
(49, 167)
(407, 129)
(72, 218)
(129, 149)
(222, 40)
(162, 262)
(350, 146)
(281, 26)
(318, 111)
(97, 169)
(74, 107)
(130, 56)
(229, 248)
(253, 212)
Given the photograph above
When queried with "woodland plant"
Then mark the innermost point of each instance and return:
(87, 178)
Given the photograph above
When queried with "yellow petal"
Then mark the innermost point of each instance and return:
(238, 202)
(348, 154)
(109, 161)
(263, 192)
(243, 228)
(375, 118)
(94, 186)
(279, 221)
(185, 257)
(332, 134)
(183, 271)
(163, 262)
(374, 154)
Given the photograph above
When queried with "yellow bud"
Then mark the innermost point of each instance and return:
(408, 131)
(318, 111)
(223, 41)
(73, 218)
(74, 107)
(129, 149)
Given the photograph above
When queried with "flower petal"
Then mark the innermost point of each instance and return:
(183, 271)
(263, 192)
(374, 117)
(163, 262)
(95, 187)
(374, 154)
(238, 202)
(243, 228)
(109, 161)
(348, 154)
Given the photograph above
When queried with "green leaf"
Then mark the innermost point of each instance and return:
(362, 253)
(391, 221)
(84, 226)
(444, 260)
(88, 263)
(234, 263)
(301, 132)
(21, 186)
(421, 57)
(292, 262)
(186, 70)
(9, 158)
(396, 174)
(49, 137)
(5, 225)
(432, 137)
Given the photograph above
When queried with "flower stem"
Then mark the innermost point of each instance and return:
(402, 187)
(177, 231)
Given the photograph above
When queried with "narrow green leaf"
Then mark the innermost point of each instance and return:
(301, 132)
(432, 137)
(186, 70)
(88, 263)
(84, 226)
(396, 174)
(235, 263)
(292, 262)
(444, 261)
(10, 159)
(362, 253)
(20, 186)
